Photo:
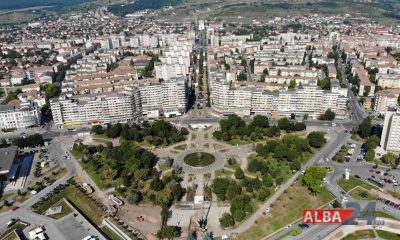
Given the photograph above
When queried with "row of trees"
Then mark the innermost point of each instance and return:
(235, 127)
(28, 141)
(159, 133)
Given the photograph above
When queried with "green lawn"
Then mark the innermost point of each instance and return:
(285, 210)
(385, 215)
(110, 233)
(79, 199)
(64, 211)
(361, 194)
(181, 147)
(199, 160)
(363, 234)
(353, 182)
(17, 226)
(388, 235)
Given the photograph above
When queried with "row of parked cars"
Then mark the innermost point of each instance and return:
(389, 204)
(56, 190)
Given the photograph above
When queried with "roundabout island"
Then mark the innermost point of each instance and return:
(200, 161)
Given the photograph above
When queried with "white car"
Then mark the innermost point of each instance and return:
(387, 209)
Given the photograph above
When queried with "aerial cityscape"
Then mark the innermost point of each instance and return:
(199, 119)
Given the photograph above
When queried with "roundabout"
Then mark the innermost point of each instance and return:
(199, 161)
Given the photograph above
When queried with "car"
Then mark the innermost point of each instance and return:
(357, 176)
(371, 170)
(387, 209)
(373, 176)
(14, 208)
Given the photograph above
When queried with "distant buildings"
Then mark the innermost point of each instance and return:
(21, 115)
(390, 140)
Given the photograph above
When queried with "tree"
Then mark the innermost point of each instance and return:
(328, 115)
(273, 131)
(169, 232)
(316, 139)
(292, 116)
(372, 142)
(52, 90)
(313, 178)
(226, 220)
(97, 129)
(267, 181)
(242, 76)
(156, 184)
(262, 77)
(260, 121)
(134, 197)
(292, 84)
(325, 83)
(283, 124)
(367, 90)
(305, 117)
(365, 128)
(370, 155)
(239, 174)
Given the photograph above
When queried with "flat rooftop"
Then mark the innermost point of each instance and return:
(7, 156)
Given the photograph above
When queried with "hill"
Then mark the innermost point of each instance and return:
(18, 4)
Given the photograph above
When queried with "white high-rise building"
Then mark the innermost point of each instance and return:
(390, 140)
(306, 99)
(19, 116)
(93, 109)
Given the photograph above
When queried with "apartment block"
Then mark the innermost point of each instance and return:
(93, 109)
(390, 140)
(19, 116)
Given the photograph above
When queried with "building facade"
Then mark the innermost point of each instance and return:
(19, 116)
(390, 140)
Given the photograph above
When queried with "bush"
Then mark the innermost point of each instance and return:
(226, 220)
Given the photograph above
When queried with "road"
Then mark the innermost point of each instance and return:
(335, 139)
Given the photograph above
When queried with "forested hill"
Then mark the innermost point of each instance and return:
(141, 5)
(18, 4)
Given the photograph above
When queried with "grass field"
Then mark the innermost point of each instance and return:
(363, 234)
(181, 147)
(110, 233)
(79, 199)
(17, 226)
(285, 210)
(353, 182)
(361, 194)
(388, 235)
(65, 210)
(195, 160)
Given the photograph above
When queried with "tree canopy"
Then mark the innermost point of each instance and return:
(313, 178)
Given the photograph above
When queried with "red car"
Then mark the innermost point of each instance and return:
(14, 208)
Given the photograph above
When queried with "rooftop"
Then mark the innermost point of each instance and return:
(7, 156)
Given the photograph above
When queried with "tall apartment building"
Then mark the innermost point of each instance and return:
(152, 99)
(390, 140)
(19, 116)
(306, 99)
(102, 108)
(168, 97)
